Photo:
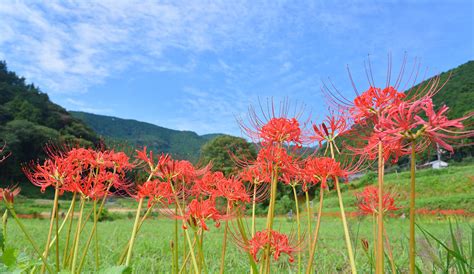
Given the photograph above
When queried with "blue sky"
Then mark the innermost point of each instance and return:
(196, 65)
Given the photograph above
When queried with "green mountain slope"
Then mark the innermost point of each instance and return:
(116, 131)
(28, 120)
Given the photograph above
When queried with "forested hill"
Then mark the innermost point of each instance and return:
(117, 131)
(29, 120)
(458, 93)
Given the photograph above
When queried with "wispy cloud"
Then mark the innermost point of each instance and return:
(226, 53)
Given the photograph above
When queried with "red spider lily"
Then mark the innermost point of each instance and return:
(180, 171)
(233, 190)
(198, 212)
(281, 130)
(8, 194)
(207, 184)
(275, 124)
(256, 174)
(320, 169)
(405, 122)
(279, 243)
(368, 201)
(373, 102)
(152, 167)
(273, 157)
(5, 156)
(155, 191)
(439, 129)
(53, 172)
(333, 125)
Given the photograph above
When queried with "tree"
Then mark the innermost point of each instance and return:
(223, 151)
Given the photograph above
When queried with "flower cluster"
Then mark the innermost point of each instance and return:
(277, 242)
(91, 173)
(368, 201)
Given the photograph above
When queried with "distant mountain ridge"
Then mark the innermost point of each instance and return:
(180, 144)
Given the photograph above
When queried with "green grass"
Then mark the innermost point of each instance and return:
(449, 188)
(152, 252)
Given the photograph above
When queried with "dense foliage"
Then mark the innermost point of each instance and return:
(224, 151)
(116, 131)
(28, 120)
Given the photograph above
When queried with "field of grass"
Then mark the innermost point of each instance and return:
(449, 188)
(152, 253)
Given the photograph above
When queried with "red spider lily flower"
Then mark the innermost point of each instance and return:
(233, 190)
(207, 185)
(53, 172)
(180, 171)
(320, 169)
(373, 102)
(405, 122)
(333, 125)
(4, 156)
(152, 167)
(256, 174)
(393, 147)
(155, 191)
(198, 212)
(279, 243)
(273, 157)
(281, 130)
(439, 129)
(368, 201)
(8, 194)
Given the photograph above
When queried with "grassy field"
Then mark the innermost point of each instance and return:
(449, 188)
(152, 253)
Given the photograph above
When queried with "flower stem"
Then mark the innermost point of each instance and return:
(134, 232)
(270, 217)
(412, 209)
(175, 244)
(30, 239)
(125, 250)
(77, 236)
(308, 216)
(346, 229)
(316, 231)
(70, 216)
(254, 203)
(181, 213)
(243, 233)
(379, 265)
(344, 221)
(51, 224)
(298, 224)
(224, 244)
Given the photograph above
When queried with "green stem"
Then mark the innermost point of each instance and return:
(346, 229)
(96, 237)
(298, 224)
(134, 232)
(180, 210)
(224, 244)
(308, 216)
(175, 243)
(343, 217)
(412, 250)
(270, 217)
(254, 203)
(125, 250)
(316, 231)
(243, 233)
(89, 240)
(30, 239)
(77, 236)
(51, 224)
(379, 265)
